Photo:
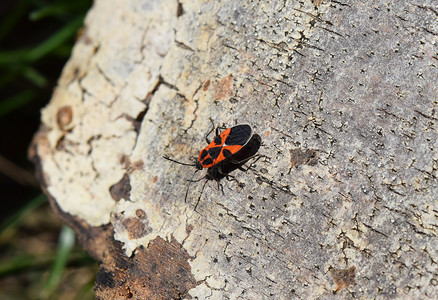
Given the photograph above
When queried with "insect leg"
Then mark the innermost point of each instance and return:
(188, 186)
(199, 198)
(211, 130)
(243, 161)
(220, 187)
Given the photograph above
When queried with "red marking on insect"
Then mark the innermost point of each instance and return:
(224, 145)
(228, 151)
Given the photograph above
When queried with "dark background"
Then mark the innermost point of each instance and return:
(37, 257)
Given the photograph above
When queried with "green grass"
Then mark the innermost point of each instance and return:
(38, 255)
(11, 224)
(51, 264)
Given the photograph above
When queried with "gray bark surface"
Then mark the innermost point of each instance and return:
(341, 205)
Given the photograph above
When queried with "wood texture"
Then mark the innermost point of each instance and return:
(344, 96)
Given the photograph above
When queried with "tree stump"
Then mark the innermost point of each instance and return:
(343, 199)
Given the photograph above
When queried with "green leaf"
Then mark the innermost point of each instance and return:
(22, 262)
(10, 104)
(65, 245)
(16, 218)
(31, 55)
(35, 77)
(54, 41)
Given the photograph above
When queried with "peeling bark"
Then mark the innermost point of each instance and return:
(341, 204)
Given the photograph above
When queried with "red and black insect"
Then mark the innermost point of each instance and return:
(228, 151)
(224, 145)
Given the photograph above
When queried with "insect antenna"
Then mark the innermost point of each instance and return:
(178, 162)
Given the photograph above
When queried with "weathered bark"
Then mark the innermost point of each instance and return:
(344, 96)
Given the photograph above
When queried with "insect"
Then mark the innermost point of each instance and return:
(228, 151)
(224, 145)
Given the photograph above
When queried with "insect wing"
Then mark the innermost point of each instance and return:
(228, 143)
(238, 135)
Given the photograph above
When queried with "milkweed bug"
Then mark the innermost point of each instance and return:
(228, 151)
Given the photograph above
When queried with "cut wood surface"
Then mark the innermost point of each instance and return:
(341, 204)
